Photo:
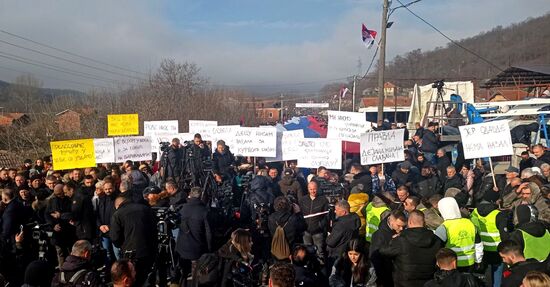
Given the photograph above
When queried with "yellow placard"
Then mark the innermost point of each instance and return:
(122, 125)
(73, 154)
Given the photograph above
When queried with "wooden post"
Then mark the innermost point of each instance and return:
(492, 172)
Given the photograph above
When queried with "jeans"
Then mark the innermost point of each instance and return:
(496, 273)
(319, 240)
(113, 252)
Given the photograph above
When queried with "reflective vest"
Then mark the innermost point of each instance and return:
(536, 247)
(373, 219)
(488, 231)
(461, 238)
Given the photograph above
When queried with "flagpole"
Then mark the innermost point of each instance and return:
(353, 98)
(382, 63)
(339, 102)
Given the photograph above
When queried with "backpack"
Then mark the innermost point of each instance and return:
(79, 278)
(279, 245)
(207, 270)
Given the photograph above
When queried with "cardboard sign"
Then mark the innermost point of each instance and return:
(320, 152)
(347, 126)
(73, 154)
(287, 145)
(122, 125)
(222, 133)
(486, 139)
(382, 147)
(259, 142)
(152, 128)
(104, 150)
(132, 148)
(202, 127)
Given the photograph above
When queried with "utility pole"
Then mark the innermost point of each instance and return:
(353, 93)
(282, 110)
(382, 63)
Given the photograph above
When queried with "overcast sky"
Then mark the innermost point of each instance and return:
(244, 42)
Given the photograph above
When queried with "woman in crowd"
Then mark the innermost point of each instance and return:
(237, 259)
(535, 279)
(353, 268)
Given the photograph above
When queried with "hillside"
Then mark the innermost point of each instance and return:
(14, 98)
(527, 42)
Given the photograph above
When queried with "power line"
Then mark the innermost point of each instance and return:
(70, 61)
(451, 40)
(54, 78)
(47, 67)
(71, 53)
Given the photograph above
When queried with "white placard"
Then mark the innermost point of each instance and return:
(154, 128)
(347, 126)
(382, 147)
(287, 145)
(312, 105)
(104, 150)
(223, 133)
(486, 139)
(132, 148)
(202, 127)
(155, 141)
(315, 152)
(258, 142)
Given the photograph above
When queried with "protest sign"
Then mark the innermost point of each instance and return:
(202, 127)
(317, 152)
(222, 133)
(73, 154)
(104, 150)
(154, 128)
(486, 139)
(132, 148)
(157, 140)
(287, 145)
(347, 126)
(122, 124)
(261, 142)
(382, 147)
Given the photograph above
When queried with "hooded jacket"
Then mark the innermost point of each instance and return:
(413, 253)
(427, 186)
(537, 200)
(381, 264)
(513, 275)
(343, 230)
(290, 186)
(535, 228)
(363, 178)
(71, 266)
(483, 209)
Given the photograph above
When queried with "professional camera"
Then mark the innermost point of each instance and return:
(438, 84)
(167, 220)
(164, 146)
(262, 218)
(42, 234)
(245, 180)
(242, 274)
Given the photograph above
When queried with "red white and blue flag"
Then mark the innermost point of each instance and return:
(368, 36)
(343, 92)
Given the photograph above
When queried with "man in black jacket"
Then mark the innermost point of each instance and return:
(223, 162)
(453, 180)
(542, 155)
(134, 230)
(315, 210)
(77, 270)
(448, 275)
(105, 210)
(413, 252)
(361, 176)
(531, 228)
(512, 255)
(288, 216)
(403, 175)
(430, 142)
(195, 236)
(10, 221)
(389, 228)
(82, 212)
(172, 163)
(57, 214)
(344, 228)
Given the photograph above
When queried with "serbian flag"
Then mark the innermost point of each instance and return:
(368, 36)
(343, 92)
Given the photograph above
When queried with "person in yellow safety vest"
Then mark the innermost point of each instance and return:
(459, 234)
(376, 211)
(492, 226)
(531, 234)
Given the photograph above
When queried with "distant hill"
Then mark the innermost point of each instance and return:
(43, 95)
(527, 42)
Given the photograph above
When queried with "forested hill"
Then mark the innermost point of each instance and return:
(527, 42)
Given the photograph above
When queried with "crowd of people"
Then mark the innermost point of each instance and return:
(432, 220)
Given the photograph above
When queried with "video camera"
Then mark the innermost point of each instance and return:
(164, 146)
(167, 220)
(438, 84)
(262, 218)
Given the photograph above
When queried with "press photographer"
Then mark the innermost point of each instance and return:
(223, 163)
(171, 160)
